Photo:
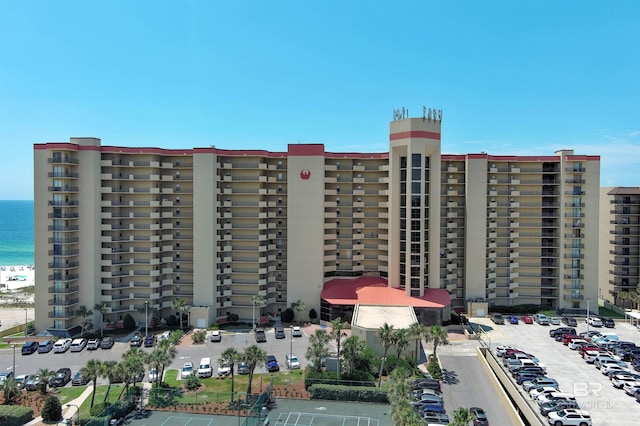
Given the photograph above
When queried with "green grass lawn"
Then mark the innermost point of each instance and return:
(604, 312)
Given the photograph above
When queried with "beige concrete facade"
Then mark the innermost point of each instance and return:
(619, 244)
(142, 227)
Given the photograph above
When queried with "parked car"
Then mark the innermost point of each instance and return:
(541, 319)
(512, 319)
(45, 346)
(33, 382)
(20, 380)
(93, 344)
(187, 370)
(554, 320)
(570, 321)
(224, 369)
(480, 417)
(296, 331)
(61, 346)
(542, 381)
(497, 318)
(501, 350)
(243, 368)
(279, 332)
(570, 416)
(79, 379)
(260, 335)
(107, 343)
(5, 375)
(149, 340)
(272, 364)
(136, 341)
(216, 336)
(594, 321)
(557, 405)
(527, 319)
(153, 375)
(77, 345)
(609, 323)
(29, 347)
(291, 361)
(61, 378)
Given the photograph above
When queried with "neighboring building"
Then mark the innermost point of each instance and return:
(620, 244)
(136, 228)
(367, 320)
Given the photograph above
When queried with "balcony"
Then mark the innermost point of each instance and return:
(67, 290)
(573, 297)
(64, 315)
(63, 302)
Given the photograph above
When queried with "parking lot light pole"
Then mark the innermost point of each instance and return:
(588, 300)
(14, 361)
(26, 323)
(291, 348)
(146, 318)
(77, 411)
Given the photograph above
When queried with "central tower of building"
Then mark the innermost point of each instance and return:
(414, 219)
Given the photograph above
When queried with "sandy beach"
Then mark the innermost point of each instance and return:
(11, 279)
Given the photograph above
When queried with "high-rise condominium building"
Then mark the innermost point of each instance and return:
(620, 245)
(250, 232)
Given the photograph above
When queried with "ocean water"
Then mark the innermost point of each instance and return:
(16, 232)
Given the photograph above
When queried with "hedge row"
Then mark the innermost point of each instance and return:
(348, 393)
(15, 415)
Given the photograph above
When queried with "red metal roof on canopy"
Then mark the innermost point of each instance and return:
(375, 291)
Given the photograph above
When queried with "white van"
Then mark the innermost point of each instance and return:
(78, 345)
(204, 368)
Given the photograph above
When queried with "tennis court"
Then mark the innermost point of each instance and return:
(180, 420)
(311, 419)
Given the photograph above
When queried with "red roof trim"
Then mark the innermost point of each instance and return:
(315, 149)
(415, 134)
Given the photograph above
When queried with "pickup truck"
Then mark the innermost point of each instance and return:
(261, 336)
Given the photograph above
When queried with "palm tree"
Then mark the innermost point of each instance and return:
(83, 312)
(385, 335)
(102, 308)
(163, 355)
(417, 331)
(45, 374)
(254, 357)
(91, 371)
(10, 390)
(317, 348)
(624, 295)
(230, 356)
(179, 305)
(109, 371)
(298, 306)
(259, 301)
(461, 417)
(399, 394)
(401, 341)
(437, 335)
(337, 325)
(352, 350)
(132, 364)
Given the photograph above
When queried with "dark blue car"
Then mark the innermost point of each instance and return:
(512, 319)
(29, 347)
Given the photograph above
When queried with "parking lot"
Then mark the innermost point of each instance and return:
(187, 351)
(593, 391)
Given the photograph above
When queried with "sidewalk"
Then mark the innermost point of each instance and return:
(69, 409)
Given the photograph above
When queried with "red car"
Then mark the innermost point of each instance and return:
(527, 319)
(588, 348)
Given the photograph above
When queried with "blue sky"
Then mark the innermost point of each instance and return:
(511, 78)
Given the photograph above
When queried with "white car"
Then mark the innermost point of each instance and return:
(570, 417)
(78, 345)
(594, 321)
(153, 375)
(291, 360)
(93, 344)
(296, 332)
(608, 368)
(62, 345)
(554, 320)
(619, 380)
(630, 388)
(536, 392)
(224, 369)
(575, 344)
(187, 370)
(501, 350)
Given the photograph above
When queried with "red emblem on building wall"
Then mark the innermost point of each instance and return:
(305, 174)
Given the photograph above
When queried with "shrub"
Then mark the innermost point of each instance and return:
(287, 315)
(313, 314)
(199, 336)
(192, 382)
(15, 415)
(357, 378)
(129, 322)
(348, 393)
(172, 321)
(52, 411)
